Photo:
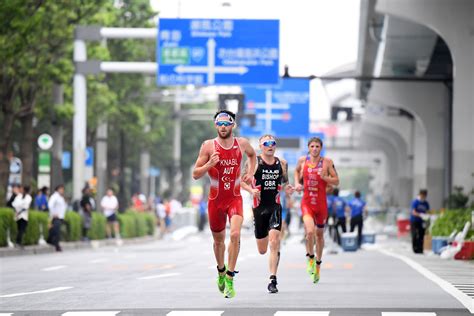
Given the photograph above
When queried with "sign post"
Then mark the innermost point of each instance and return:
(45, 143)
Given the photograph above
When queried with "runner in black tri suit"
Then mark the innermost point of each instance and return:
(270, 176)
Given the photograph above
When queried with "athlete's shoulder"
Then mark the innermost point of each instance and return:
(207, 144)
(282, 161)
(242, 140)
(302, 159)
(328, 160)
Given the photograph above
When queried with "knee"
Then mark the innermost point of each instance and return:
(219, 243)
(235, 236)
(310, 234)
(262, 251)
(319, 234)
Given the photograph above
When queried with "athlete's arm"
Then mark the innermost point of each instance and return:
(298, 174)
(205, 161)
(251, 159)
(330, 176)
(284, 180)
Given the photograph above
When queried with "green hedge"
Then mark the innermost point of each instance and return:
(97, 230)
(451, 220)
(74, 226)
(37, 224)
(133, 224)
(7, 222)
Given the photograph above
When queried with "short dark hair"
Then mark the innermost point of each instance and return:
(357, 194)
(230, 113)
(424, 192)
(335, 192)
(59, 187)
(26, 189)
(44, 189)
(315, 139)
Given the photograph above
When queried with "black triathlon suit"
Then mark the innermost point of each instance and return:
(267, 210)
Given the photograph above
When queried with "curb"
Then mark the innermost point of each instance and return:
(73, 245)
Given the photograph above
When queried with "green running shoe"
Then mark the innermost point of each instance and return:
(229, 291)
(315, 276)
(221, 281)
(311, 266)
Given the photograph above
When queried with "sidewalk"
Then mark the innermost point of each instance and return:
(454, 276)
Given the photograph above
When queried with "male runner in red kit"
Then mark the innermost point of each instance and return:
(221, 158)
(317, 172)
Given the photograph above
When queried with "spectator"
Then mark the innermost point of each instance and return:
(87, 207)
(21, 204)
(202, 214)
(110, 205)
(41, 200)
(161, 215)
(419, 208)
(15, 191)
(339, 208)
(57, 210)
(358, 208)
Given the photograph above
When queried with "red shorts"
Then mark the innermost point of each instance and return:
(318, 212)
(218, 209)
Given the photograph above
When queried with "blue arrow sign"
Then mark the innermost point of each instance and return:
(281, 110)
(216, 51)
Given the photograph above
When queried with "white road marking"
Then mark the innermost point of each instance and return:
(92, 313)
(55, 289)
(302, 313)
(446, 286)
(407, 314)
(99, 260)
(6, 314)
(165, 275)
(54, 268)
(195, 313)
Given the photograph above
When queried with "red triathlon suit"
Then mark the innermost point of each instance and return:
(224, 193)
(314, 201)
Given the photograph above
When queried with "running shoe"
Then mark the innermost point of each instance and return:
(221, 281)
(315, 275)
(272, 286)
(229, 291)
(311, 265)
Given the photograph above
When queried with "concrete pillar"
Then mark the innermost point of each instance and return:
(453, 21)
(428, 102)
(101, 161)
(403, 177)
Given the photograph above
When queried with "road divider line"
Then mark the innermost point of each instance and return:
(98, 260)
(407, 314)
(302, 313)
(464, 299)
(55, 289)
(91, 313)
(157, 276)
(54, 268)
(195, 313)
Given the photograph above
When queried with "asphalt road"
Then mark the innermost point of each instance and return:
(170, 277)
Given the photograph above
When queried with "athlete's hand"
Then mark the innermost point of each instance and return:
(214, 159)
(256, 193)
(299, 188)
(247, 178)
(289, 189)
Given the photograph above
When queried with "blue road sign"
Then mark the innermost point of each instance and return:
(66, 160)
(281, 110)
(217, 51)
(89, 157)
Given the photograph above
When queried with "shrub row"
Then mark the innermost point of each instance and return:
(132, 224)
(451, 220)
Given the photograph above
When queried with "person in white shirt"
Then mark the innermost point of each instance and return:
(21, 204)
(57, 210)
(109, 204)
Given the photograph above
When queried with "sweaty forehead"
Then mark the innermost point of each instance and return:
(314, 144)
(267, 138)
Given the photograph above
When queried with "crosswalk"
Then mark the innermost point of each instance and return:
(238, 311)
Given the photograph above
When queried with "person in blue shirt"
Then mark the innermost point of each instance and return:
(41, 200)
(357, 206)
(419, 206)
(339, 210)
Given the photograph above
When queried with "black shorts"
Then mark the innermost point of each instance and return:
(112, 218)
(266, 217)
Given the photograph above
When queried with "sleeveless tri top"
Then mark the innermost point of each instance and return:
(314, 186)
(268, 180)
(225, 175)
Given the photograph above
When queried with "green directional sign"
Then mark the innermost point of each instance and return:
(44, 162)
(175, 56)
